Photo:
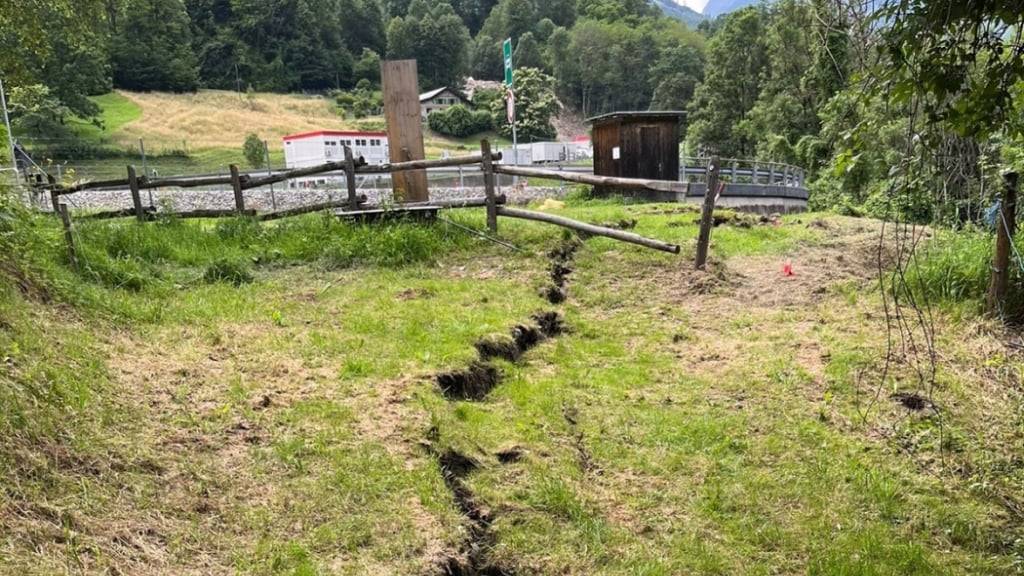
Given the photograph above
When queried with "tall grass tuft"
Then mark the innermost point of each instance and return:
(955, 268)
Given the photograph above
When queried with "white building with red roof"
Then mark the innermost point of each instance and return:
(322, 146)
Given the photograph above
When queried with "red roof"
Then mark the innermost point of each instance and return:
(302, 135)
(581, 139)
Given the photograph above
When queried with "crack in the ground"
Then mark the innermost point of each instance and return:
(583, 457)
(472, 557)
(474, 383)
(561, 260)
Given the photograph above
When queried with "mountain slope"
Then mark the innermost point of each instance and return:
(716, 8)
(682, 13)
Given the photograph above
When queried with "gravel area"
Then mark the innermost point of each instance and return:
(262, 200)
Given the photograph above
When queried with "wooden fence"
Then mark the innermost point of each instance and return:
(356, 204)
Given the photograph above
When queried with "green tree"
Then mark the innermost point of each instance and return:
(485, 58)
(368, 67)
(153, 49)
(436, 37)
(731, 87)
(254, 151)
(36, 111)
(527, 53)
(510, 19)
(535, 106)
(60, 44)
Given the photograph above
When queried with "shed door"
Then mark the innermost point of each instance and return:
(651, 163)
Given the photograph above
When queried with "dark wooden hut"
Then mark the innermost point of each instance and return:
(637, 145)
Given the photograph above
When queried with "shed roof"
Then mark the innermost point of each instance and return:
(637, 115)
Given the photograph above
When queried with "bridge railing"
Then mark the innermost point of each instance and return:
(742, 171)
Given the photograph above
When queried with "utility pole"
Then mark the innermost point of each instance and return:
(10, 135)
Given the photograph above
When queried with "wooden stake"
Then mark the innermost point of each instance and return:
(350, 179)
(488, 167)
(133, 185)
(236, 185)
(707, 214)
(1006, 227)
(69, 239)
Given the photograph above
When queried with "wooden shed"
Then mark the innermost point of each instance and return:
(637, 145)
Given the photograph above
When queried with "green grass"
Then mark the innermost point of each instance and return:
(115, 111)
(721, 431)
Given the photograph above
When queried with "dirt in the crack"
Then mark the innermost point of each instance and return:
(473, 383)
(550, 323)
(913, 401)
(471, 559)
(561, 258)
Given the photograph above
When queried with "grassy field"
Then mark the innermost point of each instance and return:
(203, 132)
(264, 400)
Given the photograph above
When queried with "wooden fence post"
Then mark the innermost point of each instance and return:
(488, 168)
(1006, 227)
(236, 185)
(707, 214)
(350, 180)
(65, 219)
(133, 185)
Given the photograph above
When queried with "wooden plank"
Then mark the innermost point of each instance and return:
(405, 129)
(706, 215)
(591, 229)
(492, 205)
(593, 180)
(419, 212)
(236, 186)
(1006, 227)
(133, 186)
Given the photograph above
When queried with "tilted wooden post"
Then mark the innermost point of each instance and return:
(133, 185)
(1006, 227)
(65, 219)
(707, 214)
(350, 179)
(236, 185)
(488, 168)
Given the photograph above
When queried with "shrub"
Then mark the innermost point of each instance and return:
(225, 270)
(459, 121)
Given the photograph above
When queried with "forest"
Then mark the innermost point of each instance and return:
(809, 82)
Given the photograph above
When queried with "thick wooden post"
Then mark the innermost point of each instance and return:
(55, 201)
(350, 180)
(488, 168)
(1006, 227)
(236, 185)
(405, 127)
(69, 239)
(133, 185)
(707, 214)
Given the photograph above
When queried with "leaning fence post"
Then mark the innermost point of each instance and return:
(1006, 227)
(236, 185)
(65, 219)
(488, 168)
(133, 185)
(350, 179)
(707, 214)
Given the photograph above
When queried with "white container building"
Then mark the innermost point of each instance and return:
(322, 146)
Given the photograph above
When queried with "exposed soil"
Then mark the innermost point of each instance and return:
(473, 383)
